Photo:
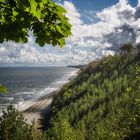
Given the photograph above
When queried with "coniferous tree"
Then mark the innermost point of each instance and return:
(13, 126)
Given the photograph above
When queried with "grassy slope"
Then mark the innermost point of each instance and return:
(100, 104)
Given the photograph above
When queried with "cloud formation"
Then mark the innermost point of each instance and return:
(116, 25)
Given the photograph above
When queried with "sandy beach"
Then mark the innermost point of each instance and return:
(35, 110)
(38, 109)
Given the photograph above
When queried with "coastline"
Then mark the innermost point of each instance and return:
(34, 110)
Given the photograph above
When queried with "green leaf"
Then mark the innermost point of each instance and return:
(2, 89)
(61, 9)
(61, 42)
(59, 29)
(15, 13)
(38, 16)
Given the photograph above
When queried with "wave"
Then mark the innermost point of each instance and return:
(60, 82)
(46, 90)
(26, 92)
(7, 98)
(25, 99)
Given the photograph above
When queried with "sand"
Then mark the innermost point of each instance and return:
(36, 110)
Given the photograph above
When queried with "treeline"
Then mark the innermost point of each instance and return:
(102, 103)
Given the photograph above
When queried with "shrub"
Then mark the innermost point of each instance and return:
(13, 126)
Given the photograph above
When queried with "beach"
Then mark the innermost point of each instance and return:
(35, 110)
(38, 109)
(31, 90)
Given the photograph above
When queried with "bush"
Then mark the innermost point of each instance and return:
(13, 126)
(103, 102)
(126, 49)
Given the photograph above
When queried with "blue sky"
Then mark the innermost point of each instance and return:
(98, 26)
(97, 4)
(93, 4)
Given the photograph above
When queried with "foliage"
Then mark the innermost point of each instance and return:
(14, 127)
(138, 46)
(44, 18)
(2, 89)
(61, 130)
(137, 84)
(103, 102)
(126, 49)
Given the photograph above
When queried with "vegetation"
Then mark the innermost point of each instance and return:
(2, 89)
(44, 18)
(14, 127)
(102, 103)
(126, 49)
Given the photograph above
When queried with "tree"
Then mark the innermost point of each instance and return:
(14, 127)
(137, 48)
(137, 82)
(126, 49)
(45, 18)
(61, 130)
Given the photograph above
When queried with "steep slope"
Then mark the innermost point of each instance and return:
(102, 103)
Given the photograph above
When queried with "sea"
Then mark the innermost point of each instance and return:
(27, 84)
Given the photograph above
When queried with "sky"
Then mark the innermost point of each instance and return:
(96, 5)
(99, 28)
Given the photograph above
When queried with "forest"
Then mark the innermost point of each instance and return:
(101, 103)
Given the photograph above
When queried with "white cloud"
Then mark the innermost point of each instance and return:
(72, 14)
(88, 16)
(138, 2)
(117, 24)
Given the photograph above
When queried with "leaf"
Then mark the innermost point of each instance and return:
(59, 29)
(34, 10)
(61, 9)
(61, 42)
(15, 13)
(37, 16)
(2, 89)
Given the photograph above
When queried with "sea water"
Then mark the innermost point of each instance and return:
(27, 84)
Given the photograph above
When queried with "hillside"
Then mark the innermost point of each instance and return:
(102, 103)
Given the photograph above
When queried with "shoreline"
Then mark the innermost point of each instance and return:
(40, 107)
(34, 110)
